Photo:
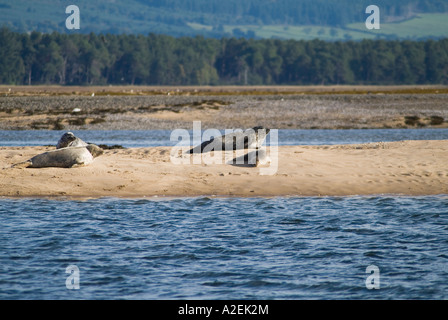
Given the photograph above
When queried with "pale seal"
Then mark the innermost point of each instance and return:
(252, 159)
(64, 157)
(250, 139)
(68, 139)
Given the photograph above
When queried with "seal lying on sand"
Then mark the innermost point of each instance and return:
(250, 139)
(68, 139)
(252, 159)
(63, 158)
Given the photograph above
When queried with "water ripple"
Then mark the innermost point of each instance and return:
(235, 248)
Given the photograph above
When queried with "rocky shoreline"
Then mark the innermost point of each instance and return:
(281, 111)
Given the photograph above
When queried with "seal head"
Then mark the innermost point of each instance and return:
(68, 139)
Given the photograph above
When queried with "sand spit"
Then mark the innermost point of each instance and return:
(404, 168)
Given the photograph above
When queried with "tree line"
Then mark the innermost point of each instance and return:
(99, 59)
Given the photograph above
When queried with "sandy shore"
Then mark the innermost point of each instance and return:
(406, 168)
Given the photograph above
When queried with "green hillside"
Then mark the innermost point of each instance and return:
(420, 27)
(284, 19)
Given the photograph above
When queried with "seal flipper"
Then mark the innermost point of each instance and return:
(200, 148)
(21, 165)
(251, 159)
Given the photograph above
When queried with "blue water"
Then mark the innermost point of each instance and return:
(154, 138)
(225, 248)
(232, 248)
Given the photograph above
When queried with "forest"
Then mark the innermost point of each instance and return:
(100, 59)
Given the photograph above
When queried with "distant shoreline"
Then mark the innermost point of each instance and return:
(221, 107)
(132, 90)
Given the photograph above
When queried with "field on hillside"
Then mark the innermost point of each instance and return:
(420, 26)
(423, 25)
(105, 16)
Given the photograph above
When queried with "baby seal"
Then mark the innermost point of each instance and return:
(68, 139)
(252, 159)
(250, 139)
(64, 157)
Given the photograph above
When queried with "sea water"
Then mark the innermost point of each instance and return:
(155, 138)
(225, 248)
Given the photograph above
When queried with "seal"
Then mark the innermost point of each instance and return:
(252, 159)
(250, 139)
(68, 139)
(63, 158)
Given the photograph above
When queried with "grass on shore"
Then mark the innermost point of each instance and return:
(42, 90)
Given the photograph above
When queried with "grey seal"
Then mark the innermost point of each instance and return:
(250, 139)
(68, 139)
(63, 158)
